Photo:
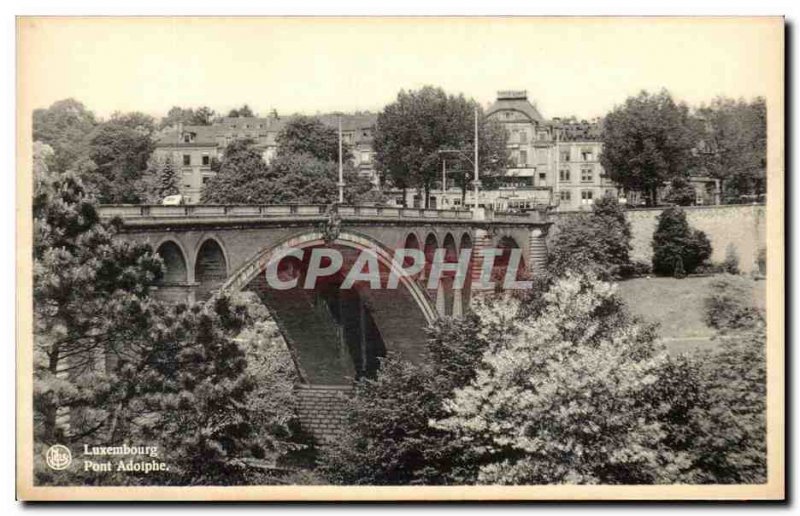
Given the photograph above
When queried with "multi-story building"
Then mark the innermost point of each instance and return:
(193, 148)
(555, 162)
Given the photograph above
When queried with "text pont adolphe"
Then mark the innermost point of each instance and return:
(124, 457)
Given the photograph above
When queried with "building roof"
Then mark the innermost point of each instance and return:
(515, 101)
(204, 135)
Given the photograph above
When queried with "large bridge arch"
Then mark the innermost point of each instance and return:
(315, 330)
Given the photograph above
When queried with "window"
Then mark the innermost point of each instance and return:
(587, 175)
(564, 155)
(587, 154)
(563, 175)
(187, 138)
(187, 159)
(542, 177)
(586, 197)
(523, 136)
(206, 160)
(523, 158)
(565, 195)
(205, 179)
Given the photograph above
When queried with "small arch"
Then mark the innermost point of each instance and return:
(210, 268)
(411, 242)
(450, 256)
(175, 269)
(431, 244)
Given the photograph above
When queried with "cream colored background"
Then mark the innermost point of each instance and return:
(580, 66)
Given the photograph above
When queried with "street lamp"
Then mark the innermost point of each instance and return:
(476, 182)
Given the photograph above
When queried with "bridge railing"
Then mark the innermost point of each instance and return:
(199, 211)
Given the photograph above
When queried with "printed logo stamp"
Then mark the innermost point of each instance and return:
(58, 457)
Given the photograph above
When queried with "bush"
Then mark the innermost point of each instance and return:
(580, 394)
(731, 263)
(599, 242)
(729, 306)
(726, 431)
(677, 246)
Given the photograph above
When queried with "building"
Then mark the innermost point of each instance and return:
(555, 162)
(193, 148)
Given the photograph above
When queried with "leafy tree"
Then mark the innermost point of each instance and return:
(388, 439)
(119, 151)
(646, 142)
(599, 241)
(242, 112)
(675, 244)
(203, 115)
(243, 176)
(188, 116)
(64, 126)
(308, 135)
(734, 145)
(681, 192)
(411, 131)
(570, 396)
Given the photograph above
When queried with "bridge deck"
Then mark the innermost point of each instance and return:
(150, 214)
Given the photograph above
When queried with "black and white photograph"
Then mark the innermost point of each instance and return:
(475, 258)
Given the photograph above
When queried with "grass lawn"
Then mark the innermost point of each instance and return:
(677, 306)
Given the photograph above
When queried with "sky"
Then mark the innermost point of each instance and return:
(569, 66)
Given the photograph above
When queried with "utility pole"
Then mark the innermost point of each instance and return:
(341, 170)
(444, 176)
(476, 182)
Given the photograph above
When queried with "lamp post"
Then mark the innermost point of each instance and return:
(476, 182)
(341, 169)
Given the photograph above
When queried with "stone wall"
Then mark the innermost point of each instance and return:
(742, 226)
(321, 410)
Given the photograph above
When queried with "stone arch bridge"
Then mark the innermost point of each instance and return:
(334, 334)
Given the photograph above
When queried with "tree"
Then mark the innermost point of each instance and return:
(187, 116)
(119, 151)
(571, 395)
(647, 142)
(177, 115)
(308, 135)
(734, 145)
(203, 115)
(84, 281)
(243, 177)
(681, 192)
(63, 126)
(411, 131)
(242, 112)
(676, 245)
(599, 241)
(292, 177)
